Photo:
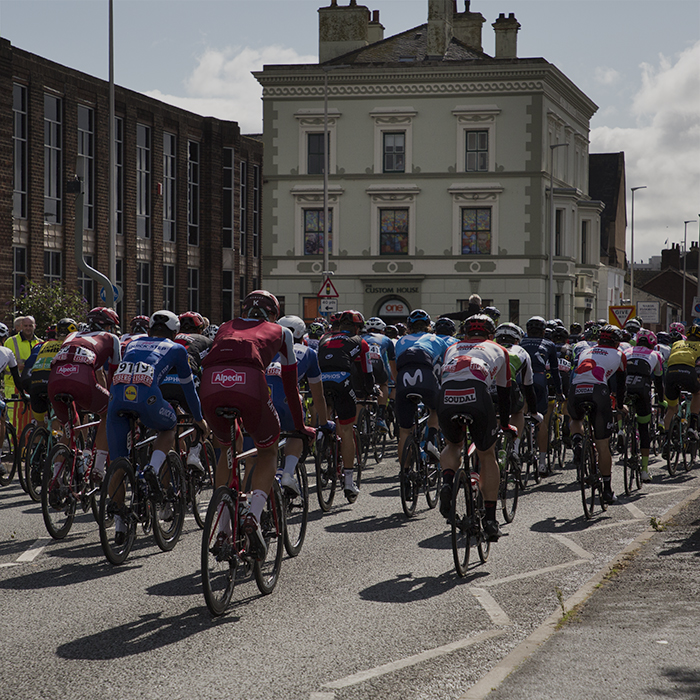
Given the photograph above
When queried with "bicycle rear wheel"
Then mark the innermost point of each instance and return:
(509, 488)
(589, 477)
(21, 455)
(117, 512)
(675, 446)
(363, 427)
(483, 543)
(461, 518)
(37, 451)
(169, 516)
(326, 470)
(57, 500)
(408, 477)
(272, 525)
(432, 481)
(9, 455)
(219, 558)
(296, 511)
(379, 444)
(202, 484)
(526, 456)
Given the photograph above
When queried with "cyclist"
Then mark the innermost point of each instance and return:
(445, 328)
(138, 327)
(663, 347)
(136, 386)
(682, 373)
(677, 331)
(633, 326)
(346, 372)
(643, 365)
(7, 361)
(192, 322)
(83, 368)
(544, 358)
(591, 382)
(316, 330)
(493, 313)
(392, 332)
(234, 375)
(383, 358)
(309, 371)
(470, 368)
(575, 333)
(419, 355)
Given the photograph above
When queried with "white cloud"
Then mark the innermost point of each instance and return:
(222, 85)
(606, 76)
(662, 151)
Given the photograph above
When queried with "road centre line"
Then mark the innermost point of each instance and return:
(532, 574)
(579, 551)
(495, 611)
(382, 670)
(33, 552)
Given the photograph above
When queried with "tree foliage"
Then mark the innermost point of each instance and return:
(49, 303)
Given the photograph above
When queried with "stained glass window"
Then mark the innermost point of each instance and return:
(393, 232)
(476, 231)
(313, 231)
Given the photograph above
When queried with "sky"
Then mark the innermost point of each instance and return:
(638, 60)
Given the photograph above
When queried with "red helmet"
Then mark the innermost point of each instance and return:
(479, 324)
(264, 301)
(103, 317)
(139, 324)
(352, 317)
(191, 322)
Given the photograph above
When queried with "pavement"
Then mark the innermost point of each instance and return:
(631, 632)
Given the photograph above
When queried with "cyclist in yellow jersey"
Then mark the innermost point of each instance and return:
(683, 374)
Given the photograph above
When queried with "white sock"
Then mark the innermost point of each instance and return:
(194, 451)
(290, 464)
(348, 477)
(516, 444)
(257, 501)
(157, 459)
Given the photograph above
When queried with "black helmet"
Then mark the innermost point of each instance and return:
(445, 326)
(66, 326)
(535, 326)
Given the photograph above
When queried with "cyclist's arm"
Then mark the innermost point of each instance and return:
(316, 389)
(366, 365)
(184, 374)
(554, 369)
(503, 389)
(290, 380)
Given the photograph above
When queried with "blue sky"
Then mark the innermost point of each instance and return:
(638, 60)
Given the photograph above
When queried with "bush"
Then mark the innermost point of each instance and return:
(49, 303)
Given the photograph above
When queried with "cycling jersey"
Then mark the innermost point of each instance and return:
(197, 347)
(478, 360)
(684, 352)
(7, 360)
(37, 370)
(381, 353)
(544, 358)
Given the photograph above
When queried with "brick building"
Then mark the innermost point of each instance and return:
(189, 192)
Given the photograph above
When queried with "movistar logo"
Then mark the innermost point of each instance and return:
(412, 380)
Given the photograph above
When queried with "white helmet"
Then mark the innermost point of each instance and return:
(4, 331)
(295, 324)
(375, 324)
(165, 318)
(210, 331)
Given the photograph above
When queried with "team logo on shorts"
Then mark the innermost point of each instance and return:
(460, 396)
(67, 370)
(228, 378)
(130, 393)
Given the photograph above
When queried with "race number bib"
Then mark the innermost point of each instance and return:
(134, 373)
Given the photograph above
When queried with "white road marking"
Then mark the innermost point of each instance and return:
(579, 551)
(33, 552)
(495, 611)
(382, 670)
(8, 565)
(663, 490)
(636, 511)
(322, 696)
(532, 574)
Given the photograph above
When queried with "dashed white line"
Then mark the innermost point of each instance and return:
(532, 574)
(33, 552)
(579, 551)
(8, 565)
(322, 696)
(638, 513)
(495, 611)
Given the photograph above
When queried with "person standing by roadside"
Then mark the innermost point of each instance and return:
(21, 346)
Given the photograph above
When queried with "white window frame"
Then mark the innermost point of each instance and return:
(475, 118)
(311, 122)
(469, 195)
(312, 198)
(392, 121)
(392, 197)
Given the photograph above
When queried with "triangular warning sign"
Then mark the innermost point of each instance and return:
(328, 289)
(619, 315)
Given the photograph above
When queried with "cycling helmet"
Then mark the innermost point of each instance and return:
(66, 326)
(335, 318)
(548, 333)
(479, 324)
(551, 324)
(493, 312)
(4, 331)
(401, 328)
(261, 303)
(51, 333)
(625, 335)
(210, 331)
(646, 338)
(558, 322)
(663, 338)
(610, 335)
(694, 332)
(506, 334)
(295, 324)
(418, 316)
(514, 327)
(351, 317)
(140, 324)
(592, 333)
(316, 330)
(375, 324)
(535, 326)
(166, 319)
(575, 329)
(445, 326)
(678, 327)
(676, 336)
(191, 322)
(102, 317)
(391, 332)
(633, 326)
(560, 334)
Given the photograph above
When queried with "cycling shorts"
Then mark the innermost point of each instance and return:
(599, 396)
(173, 391)
(417, 378)
(79, 381)
(39, 399)
(379, 371)
(337, 386)
(472, 398)
(541, 391)
(640, 386)
(244, 388)
(680, 377)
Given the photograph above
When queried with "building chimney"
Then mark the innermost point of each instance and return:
(506, 29)
(376, 29)
(466, 27)
(341, 28)
(440, 14)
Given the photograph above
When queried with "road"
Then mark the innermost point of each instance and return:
(372, 607)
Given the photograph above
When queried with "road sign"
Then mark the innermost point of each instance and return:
(649, 311)
(696, 307)
(117, 292)
(619, 315)
(327, 289)
(328, 305)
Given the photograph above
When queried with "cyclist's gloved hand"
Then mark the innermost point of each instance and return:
(328, 427)
(537, 417)
(309, 432)
(510, 429)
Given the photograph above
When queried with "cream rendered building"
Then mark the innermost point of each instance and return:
(439, 172)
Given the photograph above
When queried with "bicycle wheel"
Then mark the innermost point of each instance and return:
(391, 421)
(119, 501)
(509, 488)
(526, 454)
(628, 457)
(272, 525)
(379, 445)
(37, 451)
(552, 443)
(21, 456)
(169, 516)
(589, 477)
(326, 470)
(57, 500)
(296, 511)
(363, 427)
(202, 484)
(8, 454)
(219, 558)
(461, 518)
(408, 477)
(432, 480)
(675, 446)
(483, 543)
(359, 463)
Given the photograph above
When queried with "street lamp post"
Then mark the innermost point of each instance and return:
(550, 296)
(685, 258)
(634, 189)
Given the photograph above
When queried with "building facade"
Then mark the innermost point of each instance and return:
(439, 178)
(188, 199)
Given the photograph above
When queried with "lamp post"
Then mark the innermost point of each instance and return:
(685, 258)
(550, 296)
(634, 189)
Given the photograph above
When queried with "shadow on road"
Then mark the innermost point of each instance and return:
(370, 523)
(405, 588)
(686, 682)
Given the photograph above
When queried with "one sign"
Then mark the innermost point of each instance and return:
(696, 307)
(394, 307)
(327, 289)
(117, 292)
(328, 305)
(650, 311)
(619, 315)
